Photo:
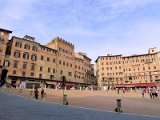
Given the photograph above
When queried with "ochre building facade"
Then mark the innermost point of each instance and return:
(129, 71)
(23, 59)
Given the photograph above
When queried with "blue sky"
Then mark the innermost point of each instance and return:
(97, 27)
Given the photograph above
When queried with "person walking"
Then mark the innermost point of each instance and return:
(143, 91)
(36, 92)
(42, 93)
(118, 91)
(151, 93)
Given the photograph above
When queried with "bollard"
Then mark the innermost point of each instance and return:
(20, 91)
(65, 102)
(119, 106)
(30, 93)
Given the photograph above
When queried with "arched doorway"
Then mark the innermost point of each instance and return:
(3, 76)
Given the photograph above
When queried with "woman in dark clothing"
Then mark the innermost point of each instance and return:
(42, 93)
(36, 93)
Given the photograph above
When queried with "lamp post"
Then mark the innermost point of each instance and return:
(65, 102)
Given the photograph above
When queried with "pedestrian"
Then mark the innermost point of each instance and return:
(42, 93)
(36, 92)
(123, 90)
(151, 93)
(143, 91)
(157, 93)
(118, 91)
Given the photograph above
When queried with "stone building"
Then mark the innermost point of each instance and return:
(129, 71)
(4, 34)
(24, 59)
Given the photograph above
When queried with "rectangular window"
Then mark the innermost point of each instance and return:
(54, 71)
(60, 62)
(0, 52)
(143, 68)
(61, 72)
(40, 75)
(54, 60)
(149, 68)
(42, 57)
(48, 59)
(18, 44)
(69, 73)
(23, 73)
(41, 68)
(6, 63)
(15, 65)
(26, 46)
(52, 77)
(24, 65)
(14, 72)
(34, 57)
(32, 67)
(1, 41)
(26, 55)
(32, 74)
(17, 54)
(49, 70)
(67, 64)
(34, 48)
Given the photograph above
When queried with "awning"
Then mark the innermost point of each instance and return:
(70, 84)
(51, 83)
(121, 85)
(145, 85)
(130, 85)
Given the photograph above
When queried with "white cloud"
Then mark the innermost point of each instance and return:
(15, 10)
(94, 26)
(118, 8)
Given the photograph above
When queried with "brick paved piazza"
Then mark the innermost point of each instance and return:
(100, 101)
(14, 107)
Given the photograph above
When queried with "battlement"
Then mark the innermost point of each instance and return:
(58, 39)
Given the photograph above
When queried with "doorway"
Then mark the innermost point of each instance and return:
(3, 77)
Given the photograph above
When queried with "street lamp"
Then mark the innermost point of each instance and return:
(65, 102)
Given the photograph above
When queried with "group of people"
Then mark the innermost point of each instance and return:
(36, 93)
(153, 92)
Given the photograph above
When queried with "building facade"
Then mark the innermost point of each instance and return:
(129, 71)
(4, 35)
(23, 59)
